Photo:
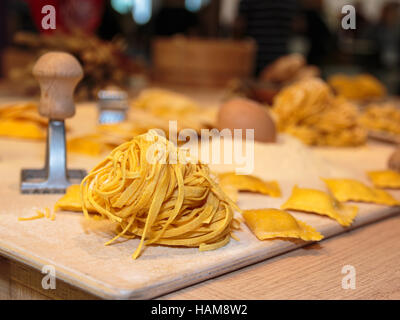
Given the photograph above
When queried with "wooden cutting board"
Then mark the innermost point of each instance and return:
(75, 246)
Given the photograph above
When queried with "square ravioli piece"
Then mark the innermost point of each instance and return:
(275, 223)
(385, 179)
(249, 183)
(71, 200)
(353, 190)
(319, 202)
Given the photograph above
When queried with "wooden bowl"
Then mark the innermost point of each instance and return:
(204, 62)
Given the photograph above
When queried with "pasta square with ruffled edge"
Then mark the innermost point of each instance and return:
(275, 223)
(385, 179)
(353, 190)
(319, 202)
(71, 200)
(250, 183)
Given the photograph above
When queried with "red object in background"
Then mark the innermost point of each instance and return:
(84, 16)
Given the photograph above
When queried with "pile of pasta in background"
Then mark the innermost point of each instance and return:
(382, 117)
(361, 88)
(311, 112)
(168, 105)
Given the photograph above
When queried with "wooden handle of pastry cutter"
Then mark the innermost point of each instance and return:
(58, 74)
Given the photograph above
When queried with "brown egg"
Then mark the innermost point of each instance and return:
(241, 113)
(394, 160)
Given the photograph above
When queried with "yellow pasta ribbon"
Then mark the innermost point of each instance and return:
(39, 215)
(385, 179)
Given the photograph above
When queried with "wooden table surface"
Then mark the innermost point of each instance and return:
(373, 250)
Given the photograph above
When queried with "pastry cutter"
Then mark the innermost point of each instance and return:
(58, 74)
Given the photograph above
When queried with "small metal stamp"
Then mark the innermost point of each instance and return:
(112, 105)
(58, 74)
(54, 177)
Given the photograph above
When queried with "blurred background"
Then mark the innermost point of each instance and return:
(197, 42)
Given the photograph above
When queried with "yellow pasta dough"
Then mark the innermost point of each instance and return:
(71, 200)
(316, 201)
(385, 179)
(353, 190)
(22, 111)
(250, 183)
(153, 191)
(22, 120)
(274, 223)
(359, 87)
(21, 129)
(91, 145)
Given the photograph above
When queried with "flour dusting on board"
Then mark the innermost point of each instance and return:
(289, 162)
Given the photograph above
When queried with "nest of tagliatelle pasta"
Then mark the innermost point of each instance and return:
(310, 111)
(155, 191)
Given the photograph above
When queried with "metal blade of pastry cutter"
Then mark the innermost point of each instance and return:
(112, 105)
(54, 177)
